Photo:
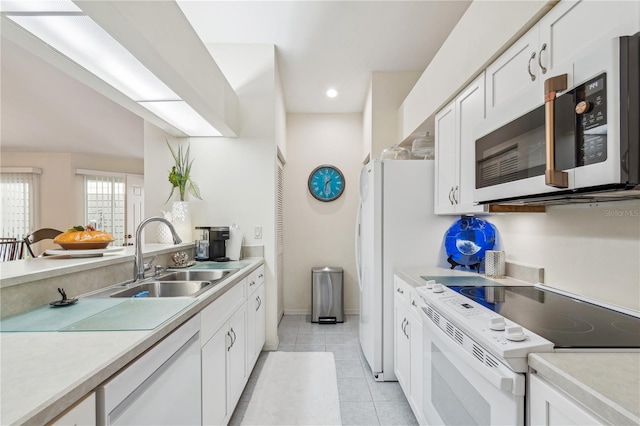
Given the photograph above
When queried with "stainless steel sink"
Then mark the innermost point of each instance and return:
(165, 289)
(182, 283)
(191, 275)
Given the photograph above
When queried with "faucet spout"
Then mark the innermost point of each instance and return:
(138, 266)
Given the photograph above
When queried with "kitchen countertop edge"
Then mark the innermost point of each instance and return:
(28, 270)
(70, 394)
(559, 369)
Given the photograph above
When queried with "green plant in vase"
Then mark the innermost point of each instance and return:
(180, 174)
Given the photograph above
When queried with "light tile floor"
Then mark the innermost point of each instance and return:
(363, 401)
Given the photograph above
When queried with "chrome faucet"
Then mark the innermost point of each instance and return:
(139, 267)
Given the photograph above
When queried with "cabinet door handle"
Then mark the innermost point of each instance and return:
(252, 283)
(450, 192)
(259, 302)
(532, 75)
(553, 177)
(233, 338)
(543, 69)
(230, 341)
(413, 302)
(405, 330)
(455, 200)
(402, 326)
(399, 290)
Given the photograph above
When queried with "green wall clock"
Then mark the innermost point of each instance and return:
(326, 183)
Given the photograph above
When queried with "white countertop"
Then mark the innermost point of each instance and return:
(42, 374)
(607, 383)
(414, 276)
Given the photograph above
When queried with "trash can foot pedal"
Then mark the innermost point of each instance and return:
(327, 320)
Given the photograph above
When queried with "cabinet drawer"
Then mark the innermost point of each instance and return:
(220, 310)
(401, 291)
(255, 279)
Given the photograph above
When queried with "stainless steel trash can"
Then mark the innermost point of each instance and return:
(327, 295)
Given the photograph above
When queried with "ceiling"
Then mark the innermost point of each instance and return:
(330, 44)
(319, 44)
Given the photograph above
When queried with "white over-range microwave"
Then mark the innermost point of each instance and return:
(581, 144)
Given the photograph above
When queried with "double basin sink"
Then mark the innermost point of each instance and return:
(187, 283)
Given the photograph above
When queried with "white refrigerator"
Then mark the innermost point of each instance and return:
(396, 228)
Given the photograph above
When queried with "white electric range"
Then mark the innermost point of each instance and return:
(476, 339)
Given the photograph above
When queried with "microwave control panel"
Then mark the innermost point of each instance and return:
(591, 121)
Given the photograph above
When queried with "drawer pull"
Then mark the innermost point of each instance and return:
(543, 69)
(533, 56)
(399, 290)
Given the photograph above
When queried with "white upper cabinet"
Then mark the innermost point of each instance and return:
(455, 150)
(515, 81)
(514, 72)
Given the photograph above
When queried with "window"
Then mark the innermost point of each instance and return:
(105, 204)
(20, 191)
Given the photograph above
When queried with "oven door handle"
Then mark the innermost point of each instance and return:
(553, 177)
(505, 380)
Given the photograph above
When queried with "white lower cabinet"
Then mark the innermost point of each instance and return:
(224, 370)
(255, 316)
(255, 325)
(83, 413)
(224, 367)
(408, 345)
(550, 406)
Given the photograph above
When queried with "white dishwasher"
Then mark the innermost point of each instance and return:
(162, 387)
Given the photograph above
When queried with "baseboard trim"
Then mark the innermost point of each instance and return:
(308, 312)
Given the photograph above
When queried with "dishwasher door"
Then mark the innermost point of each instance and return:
(162, 387)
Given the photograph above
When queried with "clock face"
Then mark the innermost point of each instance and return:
(326, 183)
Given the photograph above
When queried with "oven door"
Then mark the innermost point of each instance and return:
(465, 389)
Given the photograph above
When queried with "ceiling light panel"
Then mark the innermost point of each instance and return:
(38, 6)
(180, 115)
(86, 43)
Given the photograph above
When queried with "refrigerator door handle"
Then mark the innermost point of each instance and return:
(358, 248)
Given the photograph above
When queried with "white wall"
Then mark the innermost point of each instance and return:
(61, 190)
(593, 251)
(236, 176)
(318, 233)
(389, 89)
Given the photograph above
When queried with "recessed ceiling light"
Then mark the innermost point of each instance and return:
(332, 93)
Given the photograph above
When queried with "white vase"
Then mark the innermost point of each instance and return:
(181, 213)
(164, 233)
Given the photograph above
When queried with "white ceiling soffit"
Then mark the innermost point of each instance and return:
(330, 44)
(160, 37)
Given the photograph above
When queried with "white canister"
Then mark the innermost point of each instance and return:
(234, 243)
(494, 263)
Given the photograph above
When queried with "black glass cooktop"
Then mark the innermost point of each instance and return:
(565, 321)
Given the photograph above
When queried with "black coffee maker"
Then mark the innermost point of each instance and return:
(218, 235)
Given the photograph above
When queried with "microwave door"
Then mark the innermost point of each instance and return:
(511, 160)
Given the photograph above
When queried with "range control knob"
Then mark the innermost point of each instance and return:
(514, 333)
(497, 323)
(438, 288)
(430, 283)
(583, 107)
